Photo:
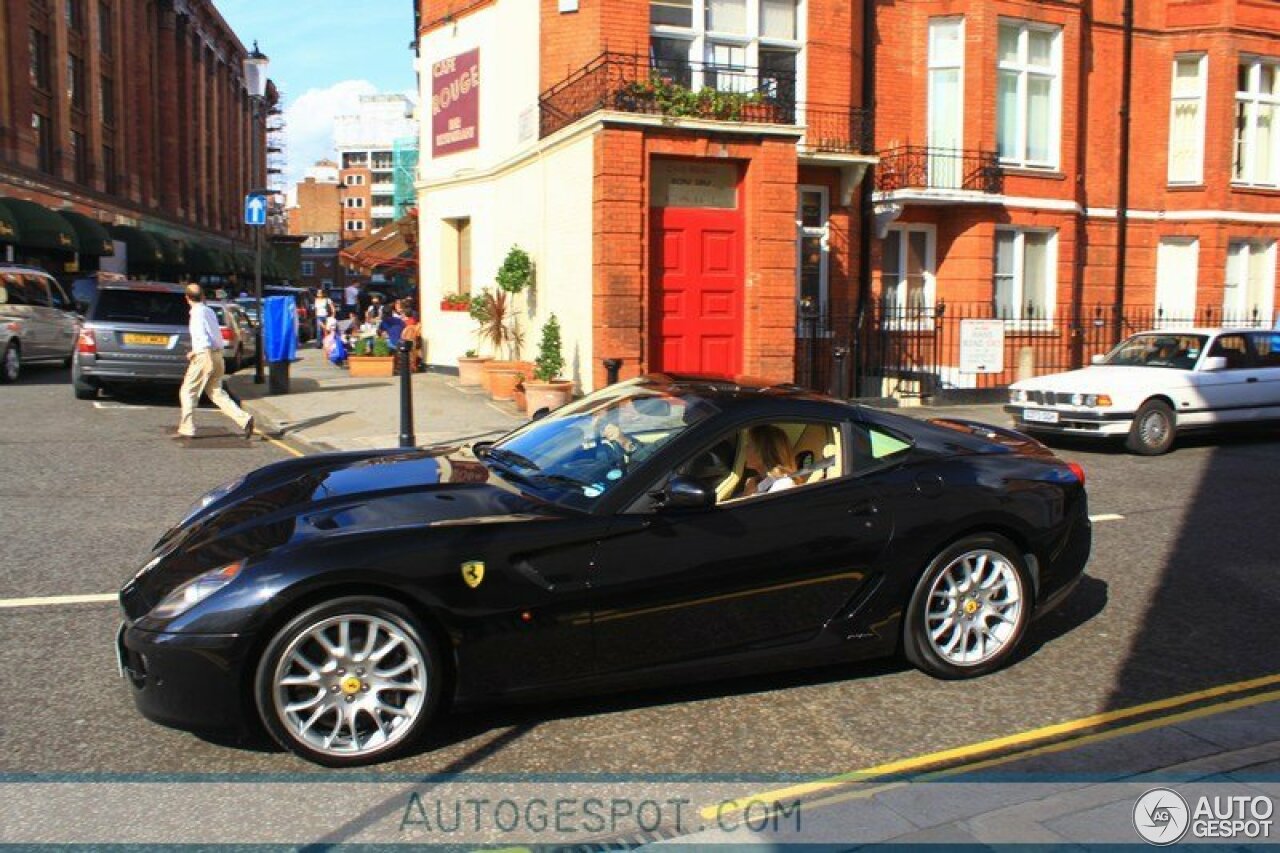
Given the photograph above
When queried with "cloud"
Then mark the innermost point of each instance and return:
(309, 121)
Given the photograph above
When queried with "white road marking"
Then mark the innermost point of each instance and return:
(51, 600)
(119, 407)
(1106, 516)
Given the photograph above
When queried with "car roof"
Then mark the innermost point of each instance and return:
(151, 286)
(24, 268)
(724, 389)
(1203, 330)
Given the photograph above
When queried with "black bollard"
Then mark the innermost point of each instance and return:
(611, 368)
(406, 395)
(838, 355)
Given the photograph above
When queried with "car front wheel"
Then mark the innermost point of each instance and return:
(11, 365)
(969, 610)
(349, 682)
(1154, 429)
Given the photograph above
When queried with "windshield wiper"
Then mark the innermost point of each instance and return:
(510, 457)
(563, 480)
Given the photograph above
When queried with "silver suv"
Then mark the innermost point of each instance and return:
(37, 321)
(135, 332)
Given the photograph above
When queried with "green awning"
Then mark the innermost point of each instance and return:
(144, 254)
(224, 261)
(8, 225)
(41, 228)
(174, 256)
(244, 262)
(200, 258)
(94, 239)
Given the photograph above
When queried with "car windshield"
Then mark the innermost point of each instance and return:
(1162, 349)
(150, 307)
(586, 449)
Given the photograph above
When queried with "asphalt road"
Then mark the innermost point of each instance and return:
(1181, 594)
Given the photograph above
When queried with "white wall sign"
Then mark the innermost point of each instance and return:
(568, 5)
(688, 183)
(981, 346)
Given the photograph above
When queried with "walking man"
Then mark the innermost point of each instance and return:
(324, 309)
(351, 298)
(205, 369)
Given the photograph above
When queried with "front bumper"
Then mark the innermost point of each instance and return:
(1070, 421)
(188, 681)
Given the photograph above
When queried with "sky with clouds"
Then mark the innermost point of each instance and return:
(324, 55)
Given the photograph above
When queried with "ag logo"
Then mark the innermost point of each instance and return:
(473, 573)
(1161, 816)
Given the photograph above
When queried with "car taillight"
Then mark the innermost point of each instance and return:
(1077, 470)
(87, 343)
(226, 335)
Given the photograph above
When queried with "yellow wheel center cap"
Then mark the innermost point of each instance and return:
(970, 606)
(350, 685)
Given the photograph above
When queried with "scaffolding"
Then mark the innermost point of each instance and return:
(277, 164)
(405, 174)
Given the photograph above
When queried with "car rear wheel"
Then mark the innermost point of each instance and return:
(83, 390)
(11, 364)
(1154, 429)
(969, 610)
(349, 682)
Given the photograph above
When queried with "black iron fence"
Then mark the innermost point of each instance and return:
(837, 130)
(920, 167)
(931, 351)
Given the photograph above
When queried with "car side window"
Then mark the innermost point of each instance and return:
(37, 291)
(873, 446)
(768, 457)
(1235, 349)
(1266, 347)
(58, 297)
(15, 289)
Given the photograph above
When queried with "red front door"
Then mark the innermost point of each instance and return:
(698, 290)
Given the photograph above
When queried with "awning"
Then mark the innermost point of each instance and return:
(94, 239)
(174, 256)
(145, 254)
(41, 228)
(8, 225)
(201, 260)
(244, 262)
(385, 249)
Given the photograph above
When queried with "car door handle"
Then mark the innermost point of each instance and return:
(1252, 379)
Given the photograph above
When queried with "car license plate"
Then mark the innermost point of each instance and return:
(146, 340)
(1040, 416)
(120, 650)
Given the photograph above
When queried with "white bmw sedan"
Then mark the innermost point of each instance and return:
(1154, 385)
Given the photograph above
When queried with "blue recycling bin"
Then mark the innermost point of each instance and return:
(279, 340)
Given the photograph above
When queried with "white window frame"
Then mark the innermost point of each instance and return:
(1165, 296)
(1238, 312)
(823, 232)
(355, 224)
(355, 202)
(901, 232)
(944, 168)
(701, 40)
(1023, 70)
(1020, 233)
(1248, 146)
(308, 268)
(1200, 97)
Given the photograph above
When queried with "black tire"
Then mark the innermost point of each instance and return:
(403, 735)
(917, 645)
(11, 363)
(84, 391)
(1155, 428)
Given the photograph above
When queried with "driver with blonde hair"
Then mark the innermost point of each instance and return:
(769, 455)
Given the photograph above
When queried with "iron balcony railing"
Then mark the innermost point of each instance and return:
(916, 167)
(638, 84)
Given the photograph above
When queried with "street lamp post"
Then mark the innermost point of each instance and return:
(255, 80)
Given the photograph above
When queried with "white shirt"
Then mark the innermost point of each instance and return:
(206, 335)
(322, 307)
(351, 294)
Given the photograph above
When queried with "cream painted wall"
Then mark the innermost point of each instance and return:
(515, 192)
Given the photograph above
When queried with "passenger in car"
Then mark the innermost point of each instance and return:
(769, 454)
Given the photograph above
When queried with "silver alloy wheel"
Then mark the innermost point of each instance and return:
(12, 363)
(1154, 428)
(974, 607)
(350, 685)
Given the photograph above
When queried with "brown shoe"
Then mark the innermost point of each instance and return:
(248, 429)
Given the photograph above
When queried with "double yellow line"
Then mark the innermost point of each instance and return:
(1047, 739)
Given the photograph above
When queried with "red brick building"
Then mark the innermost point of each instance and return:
(131, 115)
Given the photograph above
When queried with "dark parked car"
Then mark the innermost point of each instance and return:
(664, 528)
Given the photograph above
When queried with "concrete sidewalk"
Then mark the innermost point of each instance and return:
(326, 409)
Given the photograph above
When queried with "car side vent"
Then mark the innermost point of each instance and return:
(324, 522)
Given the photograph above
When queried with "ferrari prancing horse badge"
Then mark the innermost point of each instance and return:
(473, 573)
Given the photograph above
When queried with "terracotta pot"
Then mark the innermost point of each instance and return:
(550, 395)
(487, 369)
(471, 370)
(520, 399)
(371, 365)
(502, 384)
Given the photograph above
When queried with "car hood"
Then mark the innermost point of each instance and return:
(1105, 378)
(327, 496)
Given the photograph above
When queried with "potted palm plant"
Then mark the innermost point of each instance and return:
(371, 357)
(548, 389)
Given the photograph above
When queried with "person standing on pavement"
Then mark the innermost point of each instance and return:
(351, 298)
(205, 369)
(324, 310)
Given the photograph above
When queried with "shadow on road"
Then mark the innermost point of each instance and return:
(45, 374)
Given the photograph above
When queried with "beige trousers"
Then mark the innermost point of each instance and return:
(204, 376)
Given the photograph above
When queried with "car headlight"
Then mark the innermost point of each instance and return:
(1017, 395)
(1095, 400)
(194, 591)
(215, 494)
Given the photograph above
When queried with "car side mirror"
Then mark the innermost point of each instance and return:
(1098, 359)
(686, 493)
(1213, 362)
(540, 414)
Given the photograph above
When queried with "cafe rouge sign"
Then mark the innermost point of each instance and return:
(455, 103)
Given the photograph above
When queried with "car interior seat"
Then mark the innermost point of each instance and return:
(817, 451)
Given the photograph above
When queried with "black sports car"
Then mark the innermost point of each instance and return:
(663, 528)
